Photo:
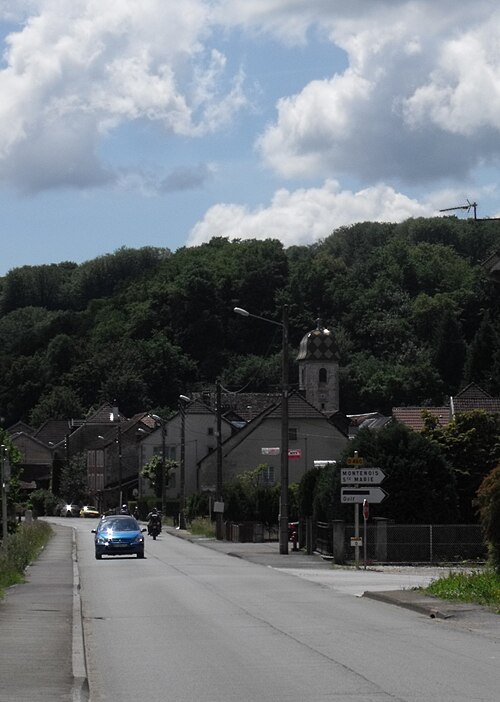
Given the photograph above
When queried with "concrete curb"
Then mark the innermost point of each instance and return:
(80, 692)
(411, 599)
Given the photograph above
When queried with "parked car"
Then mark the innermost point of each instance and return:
(88, 511)
(117, 535)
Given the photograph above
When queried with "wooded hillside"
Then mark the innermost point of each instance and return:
(414, 313)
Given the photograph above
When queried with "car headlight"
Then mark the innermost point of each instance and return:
(138, 539)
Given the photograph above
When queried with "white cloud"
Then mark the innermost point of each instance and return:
(307, 215)
(79, 68)
(419, 100)
(463, 92)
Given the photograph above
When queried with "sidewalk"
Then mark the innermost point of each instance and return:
(41, 655)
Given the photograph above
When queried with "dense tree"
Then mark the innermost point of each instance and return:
(404, 302)
(60, 402)
(419, 480)
(488, 502)
(73, 481)
(471, 444)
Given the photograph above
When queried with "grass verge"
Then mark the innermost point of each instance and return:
(480, 587)
(21, 549)
(202, 526)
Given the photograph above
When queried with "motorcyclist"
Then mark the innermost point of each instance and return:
(154, 518)
(124, 509)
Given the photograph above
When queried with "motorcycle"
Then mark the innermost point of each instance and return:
(154, 530)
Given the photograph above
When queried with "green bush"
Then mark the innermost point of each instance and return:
(20, 549)
(43, 502)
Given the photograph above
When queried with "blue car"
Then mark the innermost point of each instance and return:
(119, 534)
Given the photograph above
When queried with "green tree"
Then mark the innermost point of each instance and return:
(73, 479)
(419, 481)
(307, 489)
(158, 474)
(13, 456)
(471, 445)
(488, 502)
(59, 402)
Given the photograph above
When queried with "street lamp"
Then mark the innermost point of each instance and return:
(163, 426)
(182, 496)
(283, 519)
(114, 415)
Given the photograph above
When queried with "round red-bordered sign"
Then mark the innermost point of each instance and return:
(366, 509)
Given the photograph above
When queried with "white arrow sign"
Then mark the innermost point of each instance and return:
(361, 476)
(354, 495)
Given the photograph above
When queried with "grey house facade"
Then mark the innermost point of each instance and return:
(312, 436)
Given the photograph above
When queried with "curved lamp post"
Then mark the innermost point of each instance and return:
(182, 496)
(283, 518)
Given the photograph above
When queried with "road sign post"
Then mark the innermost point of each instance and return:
(366, 512)
(361, 483)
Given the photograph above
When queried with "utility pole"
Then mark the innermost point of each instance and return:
(119, 445)
(283, 522)
(182, 496)
(163, 468)
(220, 513)
(283, 516)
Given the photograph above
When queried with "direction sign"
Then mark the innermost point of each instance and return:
(361, 476)
(353, 495)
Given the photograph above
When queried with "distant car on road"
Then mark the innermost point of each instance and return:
(88, 511)
(117, 535)
(70, 510)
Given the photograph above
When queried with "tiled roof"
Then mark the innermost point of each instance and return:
(412, 416)
(53, 431)
(246, 405)
(298, 408)
(473, 397)
(20, 426)
(489, 404)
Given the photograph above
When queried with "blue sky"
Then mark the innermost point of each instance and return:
(158, 123)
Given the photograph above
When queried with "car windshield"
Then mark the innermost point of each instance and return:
(118, 524)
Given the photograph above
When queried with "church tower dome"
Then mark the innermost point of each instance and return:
(318, 360)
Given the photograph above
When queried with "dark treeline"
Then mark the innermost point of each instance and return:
(414, 314)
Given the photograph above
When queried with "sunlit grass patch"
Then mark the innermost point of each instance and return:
(480, 587)
(202, 526)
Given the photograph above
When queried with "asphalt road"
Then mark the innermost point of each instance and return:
(191, 622)
(231, 622)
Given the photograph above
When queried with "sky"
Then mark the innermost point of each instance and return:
(164, 123)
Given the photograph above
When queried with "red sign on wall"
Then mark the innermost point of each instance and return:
(294, 454)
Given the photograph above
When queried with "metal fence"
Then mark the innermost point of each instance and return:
(403, 543)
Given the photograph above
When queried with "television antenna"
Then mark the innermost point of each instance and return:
(469, 206)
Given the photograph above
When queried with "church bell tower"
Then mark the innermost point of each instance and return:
(318, 360)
